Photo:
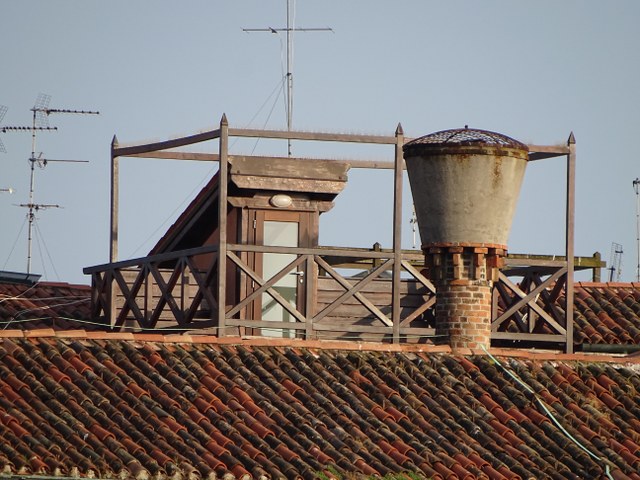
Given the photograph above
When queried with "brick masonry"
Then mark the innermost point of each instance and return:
(464, 277)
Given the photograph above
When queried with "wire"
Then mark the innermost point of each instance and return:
(39, 234)
(549, 413)
(17, 297)
(41, 299)
(44, 266)
(266, 121)
(103, 325)
(15, 243)
(47, 307)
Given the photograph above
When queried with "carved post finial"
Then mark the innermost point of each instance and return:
(223, 120)
(399, 130)
(572, 139)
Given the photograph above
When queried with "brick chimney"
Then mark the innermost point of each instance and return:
(465, 185)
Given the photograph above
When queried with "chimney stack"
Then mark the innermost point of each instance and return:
(465, 185)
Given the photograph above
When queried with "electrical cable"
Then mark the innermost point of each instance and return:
(266, 121)
(48, 307)
(18, 297)
(14, 244)
(549, 414)
(46, 249)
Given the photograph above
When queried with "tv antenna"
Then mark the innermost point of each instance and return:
(615, 260)
(40, 122)
(289, 30)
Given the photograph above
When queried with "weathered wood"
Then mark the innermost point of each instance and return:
(167, 144)
(264, 202)
(570, 232)
(309, 251)
(114, 214)
(311, 293)
(222, 223)
(166, 289)
(525, 299)
(314, 136)
(288, 184)
(351, 290)
(173, 155)
(159, 258)
(265, 286)
(283, 167)
(418, 276)
(533, 337)
(204, 288)
(339, 327)
(249, 323)
(397, 233)
(129, 296)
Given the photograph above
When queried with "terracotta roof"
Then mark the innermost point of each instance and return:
(607, 313)
(197, 220)
(45, 304)
(100, 405)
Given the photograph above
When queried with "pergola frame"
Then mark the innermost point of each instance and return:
(563, 268)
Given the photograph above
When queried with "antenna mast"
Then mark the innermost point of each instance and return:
(289, 31)
(615, 260)
(40, 122)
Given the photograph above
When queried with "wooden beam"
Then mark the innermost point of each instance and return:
(570, 216)
(113, 240)
(337, 252)
(115, 184)
(358, 296)
(159, 258)
(173, 155)
(352, 291)
(535, 337)
(223, 184)
(167, 144)
(541, 152)
(525, 299)
(315, 136)
(397, 233)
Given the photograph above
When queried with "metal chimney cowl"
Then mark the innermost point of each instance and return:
(465, 185)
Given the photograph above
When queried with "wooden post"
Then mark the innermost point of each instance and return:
(113, 240)
(222, 225)
(571, 206)
(595, 275)
(397, 233)
(311, 297)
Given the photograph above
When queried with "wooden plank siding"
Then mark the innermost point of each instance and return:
(354, 321)
(150, 294)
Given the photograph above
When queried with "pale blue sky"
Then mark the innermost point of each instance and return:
(532, 70)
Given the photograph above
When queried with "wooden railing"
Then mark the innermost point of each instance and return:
(178, 291)
(335, 305)
(165, 290)
(168, 291)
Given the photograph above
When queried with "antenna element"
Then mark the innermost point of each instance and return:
(289, 29)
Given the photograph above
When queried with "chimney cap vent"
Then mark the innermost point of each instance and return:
(465, 136)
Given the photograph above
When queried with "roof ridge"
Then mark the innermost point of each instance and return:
(318, 345)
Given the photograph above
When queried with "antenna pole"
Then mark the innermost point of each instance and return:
(40, 121)
(289, 29)
(289, 77)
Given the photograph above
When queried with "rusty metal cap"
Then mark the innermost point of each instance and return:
(462, 137)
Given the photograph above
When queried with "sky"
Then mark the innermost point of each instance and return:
(535, 71)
